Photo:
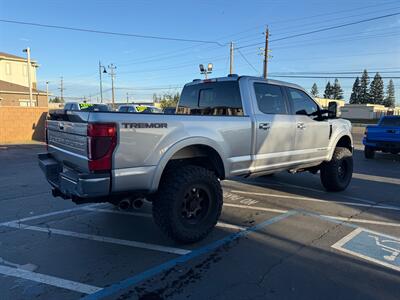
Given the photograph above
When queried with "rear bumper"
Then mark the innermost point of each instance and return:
(68, 183)
(382, 145)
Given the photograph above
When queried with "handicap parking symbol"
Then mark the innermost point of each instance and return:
(372, 246)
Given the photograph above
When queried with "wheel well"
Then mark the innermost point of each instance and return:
(199, 155)
(345, 142)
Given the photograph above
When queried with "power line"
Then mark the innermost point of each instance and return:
(247, 61)
(328, 77)
(324, 29)
(111, 32)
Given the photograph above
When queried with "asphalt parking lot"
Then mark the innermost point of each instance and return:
(279, 237)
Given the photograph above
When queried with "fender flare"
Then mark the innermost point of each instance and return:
(165, 158)
(334, 142)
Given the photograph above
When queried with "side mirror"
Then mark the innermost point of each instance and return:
(332, 109)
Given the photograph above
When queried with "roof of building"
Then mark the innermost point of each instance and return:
(6, 86)
(3, 54)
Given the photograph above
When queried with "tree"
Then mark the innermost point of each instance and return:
(356, 92)
(328, 91)
(364, 91)
(337, 92)
(390, 99)
(314, 90)
(56, 100)
(376, 90)
(167, 99)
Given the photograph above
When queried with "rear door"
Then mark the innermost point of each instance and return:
(275, 127)
(312, 134)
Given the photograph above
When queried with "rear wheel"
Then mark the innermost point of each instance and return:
(337, 173)
(369, 153)
(188, 203)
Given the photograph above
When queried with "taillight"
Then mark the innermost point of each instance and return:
(366, 131)
(102, 140)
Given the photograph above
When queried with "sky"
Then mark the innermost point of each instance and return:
(145, 65)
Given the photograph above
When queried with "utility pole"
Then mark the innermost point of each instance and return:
(266, 54)
(101, 81)
(61, 88)
(47, 91)
(127, 97)
(112, 68)
(231, 59)
(28, 54)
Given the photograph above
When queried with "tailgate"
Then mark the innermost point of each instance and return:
(67, 139)
(383, 133)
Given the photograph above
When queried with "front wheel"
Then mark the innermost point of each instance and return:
(188, 203)
(336, 174)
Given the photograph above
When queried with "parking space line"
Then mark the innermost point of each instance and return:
(129, 282)
(100, 238)
(316, 200)
(49, 280)
(331, 218)
(275, 182)
(50, 214)
(146, 215)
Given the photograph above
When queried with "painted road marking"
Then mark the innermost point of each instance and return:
(375, 178)
(50, 214)
(354, 220)
(49, 280)
(100, 238)
(129, 282)
(147, 215)
(372, 246)
(279, 183)
(316, 200)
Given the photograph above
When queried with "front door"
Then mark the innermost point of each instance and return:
(312, 133)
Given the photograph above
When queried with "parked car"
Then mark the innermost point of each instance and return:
(138, 108)
(385, 136)
(169, 110)
(224, 127)
(85, 106)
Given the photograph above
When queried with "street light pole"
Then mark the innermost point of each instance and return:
(101, 82)
(112, 74)
(47, 91)
(28, 54)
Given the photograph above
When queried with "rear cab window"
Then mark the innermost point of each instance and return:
(270, 98)
(220, 98)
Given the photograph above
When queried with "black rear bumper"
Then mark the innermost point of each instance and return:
(70, 184)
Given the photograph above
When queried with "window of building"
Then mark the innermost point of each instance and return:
(26, 102)
(211, 98)
(270, 99)
(302, 103)
(8, 68)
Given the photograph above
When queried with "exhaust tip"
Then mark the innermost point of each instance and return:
(124, 204)
(137, 203)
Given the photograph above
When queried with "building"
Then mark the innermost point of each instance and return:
(367, 111)
(14, 83)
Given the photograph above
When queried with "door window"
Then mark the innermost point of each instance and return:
(270, 99)
(302, 103)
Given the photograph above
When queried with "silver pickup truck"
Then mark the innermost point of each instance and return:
(223, 127)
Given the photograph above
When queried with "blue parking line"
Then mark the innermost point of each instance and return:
(129, 282)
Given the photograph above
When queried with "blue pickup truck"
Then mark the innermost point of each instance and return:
(385, 136)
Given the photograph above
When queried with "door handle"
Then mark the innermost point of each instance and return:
(301, 125)
(264, 126)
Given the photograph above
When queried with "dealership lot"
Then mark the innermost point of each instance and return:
(279, 237)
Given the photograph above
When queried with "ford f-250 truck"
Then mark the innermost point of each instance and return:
(223, 127)
(385, 136)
